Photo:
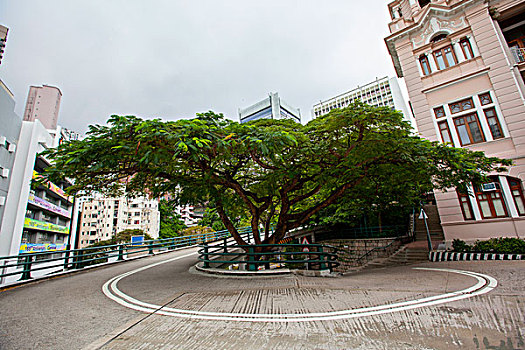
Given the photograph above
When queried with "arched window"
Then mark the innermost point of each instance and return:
(438, 37)
(423, 3)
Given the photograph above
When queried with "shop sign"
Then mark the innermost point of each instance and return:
(45, 226)
(41, 247)
(42, 203)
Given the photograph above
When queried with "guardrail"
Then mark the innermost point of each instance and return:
(262, 256)
(48, 263)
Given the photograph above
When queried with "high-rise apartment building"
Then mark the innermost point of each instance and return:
(272, 107)
(43, 103)
(463, 64)
(102, 218)
(381, 92)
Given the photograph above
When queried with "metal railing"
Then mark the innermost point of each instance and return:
(22, 266)
(270, 256)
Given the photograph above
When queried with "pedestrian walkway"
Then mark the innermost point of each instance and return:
(161, 302)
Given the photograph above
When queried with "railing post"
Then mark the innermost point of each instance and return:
(225, 246)
(251, 257)
(173, 244)
(322, 257)
(26, 274)
(150, 248)
(206, 263)
(120, 252)
(79, 258)
(66, 259)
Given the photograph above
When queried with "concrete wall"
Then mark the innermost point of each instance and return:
(11, 124)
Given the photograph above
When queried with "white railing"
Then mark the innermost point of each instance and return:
(518, 53)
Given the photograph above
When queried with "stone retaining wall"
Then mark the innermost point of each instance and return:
(350, 250)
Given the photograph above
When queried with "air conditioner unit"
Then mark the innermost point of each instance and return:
(11, 148)
(2, 200)
(4, 172)
(490, 186)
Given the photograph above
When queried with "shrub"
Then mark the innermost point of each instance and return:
(493, 245)
(460, 246)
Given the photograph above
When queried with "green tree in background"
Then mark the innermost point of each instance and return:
(171, 224)
(269, 171)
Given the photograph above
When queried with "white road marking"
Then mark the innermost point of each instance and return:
(484, 285)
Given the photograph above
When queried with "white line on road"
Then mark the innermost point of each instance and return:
(484, 285)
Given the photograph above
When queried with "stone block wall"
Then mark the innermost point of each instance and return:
(351, 251)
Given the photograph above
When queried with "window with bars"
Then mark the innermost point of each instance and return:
(469, 129)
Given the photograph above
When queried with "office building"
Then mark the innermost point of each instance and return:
(272, 107)
(380, 92)
(464, 67)
(43, 103)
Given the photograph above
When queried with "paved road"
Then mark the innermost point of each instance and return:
(73, 312)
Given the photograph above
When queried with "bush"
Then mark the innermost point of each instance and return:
(493, 245)
(460, 246)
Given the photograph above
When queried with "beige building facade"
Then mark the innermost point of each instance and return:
(102, 218)
(464, 68)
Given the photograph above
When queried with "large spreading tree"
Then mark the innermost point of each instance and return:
(277, 173)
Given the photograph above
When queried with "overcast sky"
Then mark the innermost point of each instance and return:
(171, 59)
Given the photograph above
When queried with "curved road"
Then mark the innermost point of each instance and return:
(73, 312)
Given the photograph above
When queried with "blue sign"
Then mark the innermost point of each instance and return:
(137, 240)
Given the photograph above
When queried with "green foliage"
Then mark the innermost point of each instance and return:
(493, 245)
(273, 172)
(212, 220)
(460, 246)
(171, 224)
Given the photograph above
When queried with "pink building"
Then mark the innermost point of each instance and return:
(464, 66)
(43, 103)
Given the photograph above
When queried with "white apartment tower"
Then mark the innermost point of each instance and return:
(102, 218)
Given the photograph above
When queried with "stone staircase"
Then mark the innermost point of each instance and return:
(434, 225)
(406, 255)
(417, 251)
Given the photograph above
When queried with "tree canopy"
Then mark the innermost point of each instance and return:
(275, 172)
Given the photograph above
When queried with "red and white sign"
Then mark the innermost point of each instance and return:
(304, 240)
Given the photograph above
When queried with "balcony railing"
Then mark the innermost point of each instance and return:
(518, 54)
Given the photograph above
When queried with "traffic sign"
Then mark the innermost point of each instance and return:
(422, 214)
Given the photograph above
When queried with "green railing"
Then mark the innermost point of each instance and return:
(270, 256)
(65, 260)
